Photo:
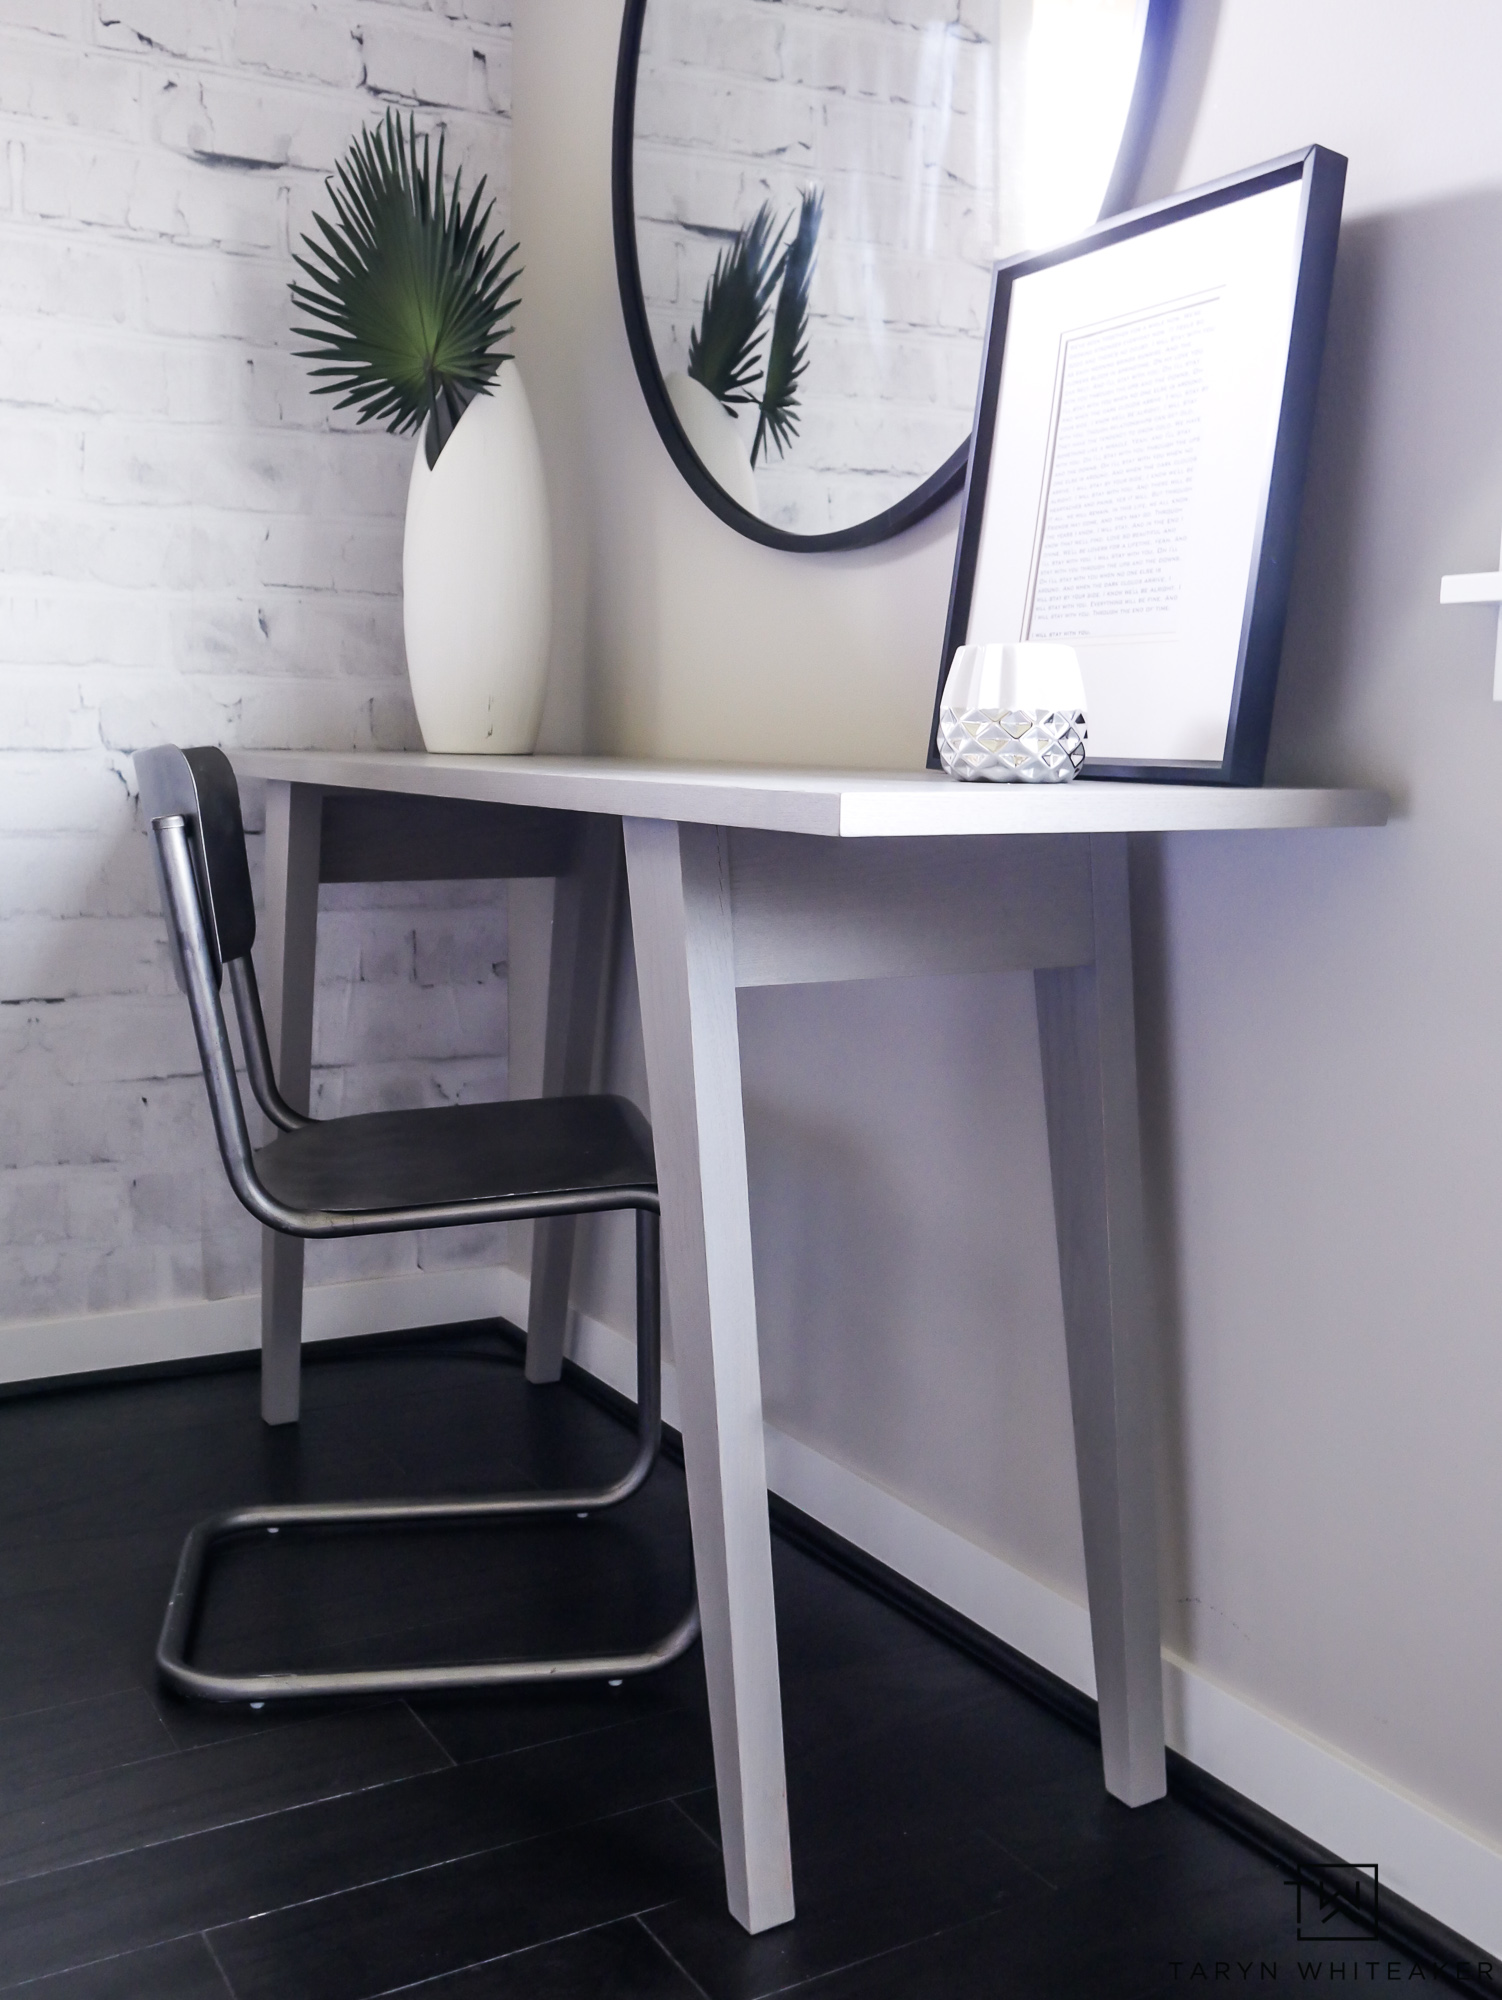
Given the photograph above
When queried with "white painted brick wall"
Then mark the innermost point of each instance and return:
(194, 547)
(889, 105)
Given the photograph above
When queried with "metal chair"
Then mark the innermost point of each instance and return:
(356, 1176)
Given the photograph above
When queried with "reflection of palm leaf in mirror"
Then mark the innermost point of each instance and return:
(724, 351)
(408, 294)
(787, 356)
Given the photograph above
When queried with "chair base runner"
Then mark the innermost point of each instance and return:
(200, 1685)
(187, 1587)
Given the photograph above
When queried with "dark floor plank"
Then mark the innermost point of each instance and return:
(464, 1407)
(1208, 1905)
(50, 1744)
(87, 1562)
(89, 1558)
(1158, 1935)
(413, 1927)
(931, 1773)
(973, 1961)
(63, 1823)
(43, 1434)
(617, 1962)
(368, 1427)
(498, 1429)
(865, 1887)
(520, 1718)
(194, 1468)
(134, 1899)
(851, 1666)
(192, 1724)
(1071, 1830)
(182, 1970)
(890, 1831)
(890, 1836)
(950, 1837)
(81, 1641)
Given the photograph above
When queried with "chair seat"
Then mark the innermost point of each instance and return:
(460, 1153)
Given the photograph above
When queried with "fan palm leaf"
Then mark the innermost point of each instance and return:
(724, 350)
(787, 352)
(407, 288)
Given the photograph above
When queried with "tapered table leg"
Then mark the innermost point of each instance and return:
(287, 949)
(1087, 1033)
(585, 922)
(681, 922)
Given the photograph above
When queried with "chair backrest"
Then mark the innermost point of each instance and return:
(198, 846)
(199, 785)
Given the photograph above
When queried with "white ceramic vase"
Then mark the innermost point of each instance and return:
(477, 579)
(721, 441)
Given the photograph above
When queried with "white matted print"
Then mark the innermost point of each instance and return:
(1138, 461)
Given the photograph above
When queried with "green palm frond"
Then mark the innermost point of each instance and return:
(724, 351)
(787, 353)
(408, 294)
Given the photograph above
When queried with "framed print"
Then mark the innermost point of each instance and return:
(1141, 435)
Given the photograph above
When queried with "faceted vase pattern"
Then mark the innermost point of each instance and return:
(1024, 746)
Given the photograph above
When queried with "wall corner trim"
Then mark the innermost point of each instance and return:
(189, 1329)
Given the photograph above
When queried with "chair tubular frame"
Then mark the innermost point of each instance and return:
(198, 973)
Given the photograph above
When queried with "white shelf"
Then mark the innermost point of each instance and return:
(841, 804)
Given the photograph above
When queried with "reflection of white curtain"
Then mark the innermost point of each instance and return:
(952, 147)
(929, 146)
(1066, 76)
(949, 145)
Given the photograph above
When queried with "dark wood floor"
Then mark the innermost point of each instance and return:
(950, 1836)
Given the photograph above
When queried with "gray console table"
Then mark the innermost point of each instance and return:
(754, 877)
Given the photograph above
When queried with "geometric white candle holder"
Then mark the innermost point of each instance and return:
(1013, 714)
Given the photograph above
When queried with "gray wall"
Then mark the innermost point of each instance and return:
(1320, 1072)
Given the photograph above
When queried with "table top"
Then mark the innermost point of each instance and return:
(840, 804)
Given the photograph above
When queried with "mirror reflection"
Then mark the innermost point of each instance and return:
(820, 190)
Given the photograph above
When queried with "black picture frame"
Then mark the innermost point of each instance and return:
(942, 485)
(1321, 174)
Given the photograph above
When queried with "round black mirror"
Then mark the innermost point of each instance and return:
(809, 199)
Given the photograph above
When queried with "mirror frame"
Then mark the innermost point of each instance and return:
(1141, 119)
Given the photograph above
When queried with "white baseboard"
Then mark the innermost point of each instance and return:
(185, 1329)
(1442, 1867)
